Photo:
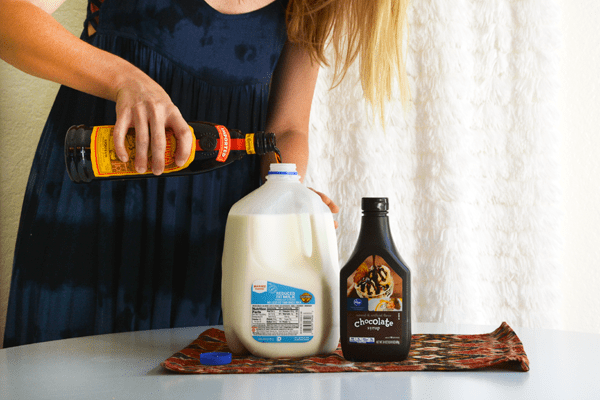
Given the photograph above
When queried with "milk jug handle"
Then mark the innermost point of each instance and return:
(306, 227)
(323, 236)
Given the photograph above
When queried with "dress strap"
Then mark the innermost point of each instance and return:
(93, 15)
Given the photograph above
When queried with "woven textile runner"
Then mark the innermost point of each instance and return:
(429, 352)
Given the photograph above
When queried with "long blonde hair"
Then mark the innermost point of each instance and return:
(372, 30)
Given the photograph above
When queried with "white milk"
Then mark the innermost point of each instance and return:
(280, 271)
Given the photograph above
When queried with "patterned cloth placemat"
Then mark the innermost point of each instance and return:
(429, 352)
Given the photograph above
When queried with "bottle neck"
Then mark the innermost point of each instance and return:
(375, 228)
(283, 173)
(265, 143)
(252, 143)
(275, 177)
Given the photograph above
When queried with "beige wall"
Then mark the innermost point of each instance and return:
(25, 102)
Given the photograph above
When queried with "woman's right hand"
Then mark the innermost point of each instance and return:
(144, 105)
(37, 44)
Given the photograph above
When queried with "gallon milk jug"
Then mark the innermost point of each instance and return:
(280, 271)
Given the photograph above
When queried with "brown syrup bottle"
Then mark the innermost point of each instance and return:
(90, 155)
(375, 321)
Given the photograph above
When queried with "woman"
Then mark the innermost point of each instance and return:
(114, 256)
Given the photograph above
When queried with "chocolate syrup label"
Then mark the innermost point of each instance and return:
(374, 303)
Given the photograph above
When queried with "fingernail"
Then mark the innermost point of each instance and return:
(140, 170)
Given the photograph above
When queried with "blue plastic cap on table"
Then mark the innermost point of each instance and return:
(215, 358)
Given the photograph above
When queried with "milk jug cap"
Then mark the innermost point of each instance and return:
(375, 204)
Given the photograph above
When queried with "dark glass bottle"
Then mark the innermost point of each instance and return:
(375, 322)
(90, 154)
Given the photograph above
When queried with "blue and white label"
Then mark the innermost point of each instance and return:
(281, 314)
(355, 304)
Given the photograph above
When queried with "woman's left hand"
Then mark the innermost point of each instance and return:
(329, 203)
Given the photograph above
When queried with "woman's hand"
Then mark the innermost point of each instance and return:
(37, 44)
(329, 203)
(145, 106)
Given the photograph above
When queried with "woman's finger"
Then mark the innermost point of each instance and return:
(122, 125)
(183, 134)
(142, 140)
(329, 203)
(158, 142)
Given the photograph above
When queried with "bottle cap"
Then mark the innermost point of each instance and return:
(283, 169)
(375, 204)
(215, 358)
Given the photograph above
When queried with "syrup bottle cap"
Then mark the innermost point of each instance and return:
(375, 204)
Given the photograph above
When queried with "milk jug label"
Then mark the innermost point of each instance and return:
(281, 314)
(374, 303)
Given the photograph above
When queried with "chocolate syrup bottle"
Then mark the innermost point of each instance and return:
(375, 292)
(90, 153)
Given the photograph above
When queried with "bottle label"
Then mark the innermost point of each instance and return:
(374, 303)
(250, 144)
(224, 143)
(281, 314)
(106, 163)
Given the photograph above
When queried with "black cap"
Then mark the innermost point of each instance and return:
(375, 204)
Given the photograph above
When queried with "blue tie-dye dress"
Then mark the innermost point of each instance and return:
(119, 256)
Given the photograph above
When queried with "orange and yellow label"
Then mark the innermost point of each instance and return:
(106, 163)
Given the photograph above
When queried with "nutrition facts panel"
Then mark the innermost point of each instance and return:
(281, 313)
(282, 319)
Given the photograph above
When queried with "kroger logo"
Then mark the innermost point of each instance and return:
(357, 302)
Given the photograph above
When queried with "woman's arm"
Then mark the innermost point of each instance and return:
(292, 91)
(34, 42)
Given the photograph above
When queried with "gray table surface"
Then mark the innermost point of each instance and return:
(564, 365)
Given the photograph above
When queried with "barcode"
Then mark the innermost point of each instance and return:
(307, 323)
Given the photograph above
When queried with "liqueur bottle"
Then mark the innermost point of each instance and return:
(90, 152)
(375, 292)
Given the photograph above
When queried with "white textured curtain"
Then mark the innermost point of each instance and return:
(471, 170)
